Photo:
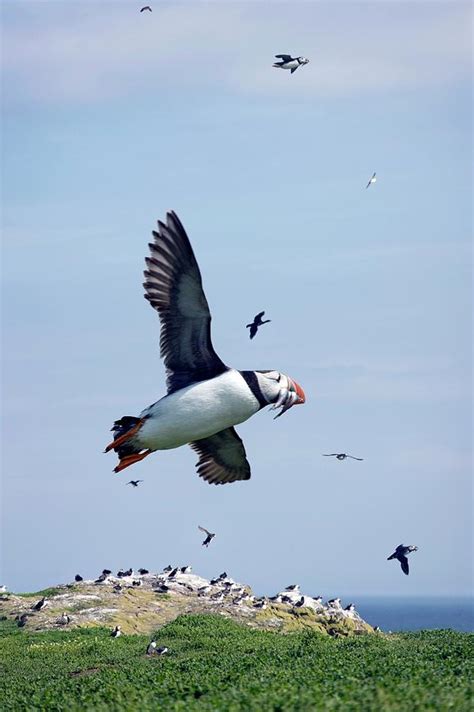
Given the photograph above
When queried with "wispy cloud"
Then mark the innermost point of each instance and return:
(55, 52)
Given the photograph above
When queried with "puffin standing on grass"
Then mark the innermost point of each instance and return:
(205, 397)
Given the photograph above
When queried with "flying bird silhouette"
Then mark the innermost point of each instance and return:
(400, 554)
(342, 456)
(289, 62)
(134, 483)
(209, 536)
(147, 7)
(205, 397)
(372, 180)
(257, 321)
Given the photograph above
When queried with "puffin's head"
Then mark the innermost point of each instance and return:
(279, 390)
(303, 60)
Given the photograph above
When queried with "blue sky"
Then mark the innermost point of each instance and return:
(111, 117)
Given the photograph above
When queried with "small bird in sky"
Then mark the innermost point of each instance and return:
(372, 180)
(209, 536)
(257, 321)
(400, 554)
(341, 456)
(289, 62)
(134, 483)
(147, 7)
(117, 631)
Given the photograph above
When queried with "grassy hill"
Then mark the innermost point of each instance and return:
(144, 608)
(216, 664)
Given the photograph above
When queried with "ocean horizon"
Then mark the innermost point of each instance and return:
(397, 613)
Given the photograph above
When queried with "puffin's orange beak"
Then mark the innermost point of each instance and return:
(299, 392)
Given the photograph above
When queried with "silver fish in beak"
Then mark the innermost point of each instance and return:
(290, 394)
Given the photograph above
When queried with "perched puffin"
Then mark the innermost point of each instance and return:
(400, 554)
(117, 631)
(78, 578)
(289, 62)
(209, 536)
(22, 620)
(205, 397)
(142, 572)
(372, 180)
(342, 456)
(257, 321)
(40, 604)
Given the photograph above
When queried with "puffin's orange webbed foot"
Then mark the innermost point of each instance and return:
(131, 460)
(123, 438)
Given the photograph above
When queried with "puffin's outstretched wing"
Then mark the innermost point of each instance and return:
(173, 286)
(284, 57)
(404, 563)
(203, 529)
(222, 458)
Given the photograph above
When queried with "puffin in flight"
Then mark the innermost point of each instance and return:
(209, 536)
(289, 62)
(372, 180)
(205, 398)
(134, 483)
(257, 321)
(400, 554)
(342, 456)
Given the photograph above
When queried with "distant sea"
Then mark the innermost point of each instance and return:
(397, 614)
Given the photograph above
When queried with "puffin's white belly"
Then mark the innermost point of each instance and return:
(197, 411)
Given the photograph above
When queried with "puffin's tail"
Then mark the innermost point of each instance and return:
(127, 451)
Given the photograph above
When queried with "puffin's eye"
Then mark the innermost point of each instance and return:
(274, 375)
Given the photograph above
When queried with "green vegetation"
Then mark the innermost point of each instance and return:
(48, 592)
(216, 664)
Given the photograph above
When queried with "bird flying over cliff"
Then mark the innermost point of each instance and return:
(289, 62)
(400, 554)
(257, 321)
(209, 536)
(342, 456)
(205, 397)
(373, 179)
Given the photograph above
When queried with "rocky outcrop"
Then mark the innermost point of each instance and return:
(143, 603)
